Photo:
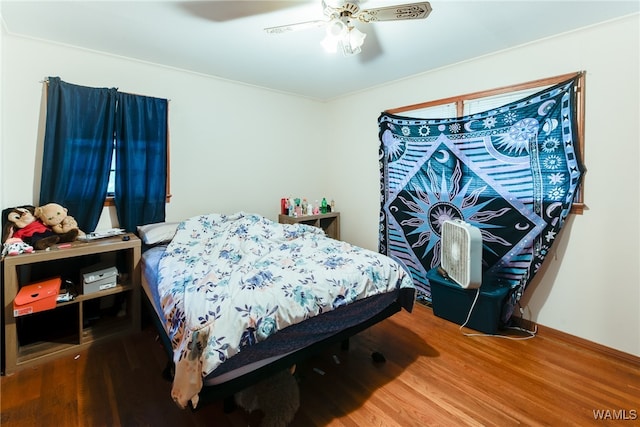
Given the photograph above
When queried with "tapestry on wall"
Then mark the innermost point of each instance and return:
(512, 172)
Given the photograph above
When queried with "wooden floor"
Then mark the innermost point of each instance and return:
(433, 376)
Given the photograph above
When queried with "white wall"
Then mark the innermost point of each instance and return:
(590, 286)
(235, 147)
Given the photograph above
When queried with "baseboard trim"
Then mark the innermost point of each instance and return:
(550, 333)
(603, 350)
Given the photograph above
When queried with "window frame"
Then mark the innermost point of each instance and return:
(578, 205)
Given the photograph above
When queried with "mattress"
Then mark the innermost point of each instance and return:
(287, 341)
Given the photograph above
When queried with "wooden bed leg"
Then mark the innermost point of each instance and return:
(344, 346)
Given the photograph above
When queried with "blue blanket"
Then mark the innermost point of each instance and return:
(512, 171)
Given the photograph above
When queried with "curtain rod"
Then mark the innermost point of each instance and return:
(46, 81)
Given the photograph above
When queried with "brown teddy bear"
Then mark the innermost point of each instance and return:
(57, 218)
(20, 223)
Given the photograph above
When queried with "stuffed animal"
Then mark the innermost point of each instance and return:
(57, 218)
(15, 246)
(67, 224)
(22, 224)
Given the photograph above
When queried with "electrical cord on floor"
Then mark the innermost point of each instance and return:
(475, 300)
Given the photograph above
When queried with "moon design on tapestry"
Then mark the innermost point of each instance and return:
(467, 126)
(551, 208)
(549, 125)
(445, 156)
(544, 109)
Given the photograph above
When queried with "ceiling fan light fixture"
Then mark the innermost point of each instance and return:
(330, 44)
(347, 37)
(352, 41)
(336, 30)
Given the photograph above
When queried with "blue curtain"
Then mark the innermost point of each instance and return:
(78, 143)
(82, 126)
(141, 160)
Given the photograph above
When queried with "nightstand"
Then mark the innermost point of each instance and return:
(329, 222)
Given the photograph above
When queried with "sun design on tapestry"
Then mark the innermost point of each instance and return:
(394, 146)
(445, 189)
(516, 140)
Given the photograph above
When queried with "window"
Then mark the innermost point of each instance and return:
(111, 187)
(463, 105)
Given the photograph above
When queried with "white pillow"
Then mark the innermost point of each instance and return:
(160, 232)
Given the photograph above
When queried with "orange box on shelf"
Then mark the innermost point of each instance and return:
(35, 297)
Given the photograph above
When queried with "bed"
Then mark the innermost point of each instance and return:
(238, 297)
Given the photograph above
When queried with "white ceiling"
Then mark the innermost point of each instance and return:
(226, 38)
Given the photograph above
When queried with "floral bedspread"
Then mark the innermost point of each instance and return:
(227, 282)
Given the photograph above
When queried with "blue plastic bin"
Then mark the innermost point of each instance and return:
(452, 302)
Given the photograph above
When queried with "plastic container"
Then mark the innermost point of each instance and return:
(452, 302)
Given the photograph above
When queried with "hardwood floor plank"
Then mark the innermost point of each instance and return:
(433, 376)
(57, 397)
(20, 398)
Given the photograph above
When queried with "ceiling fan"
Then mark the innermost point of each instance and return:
(339, 22)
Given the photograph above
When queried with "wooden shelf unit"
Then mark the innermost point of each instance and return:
(329, 222)
(76, 324)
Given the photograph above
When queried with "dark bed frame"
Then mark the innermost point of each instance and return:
(225, 391)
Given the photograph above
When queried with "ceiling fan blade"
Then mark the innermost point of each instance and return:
(399, 12)
(296, 27)
(329, 10)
